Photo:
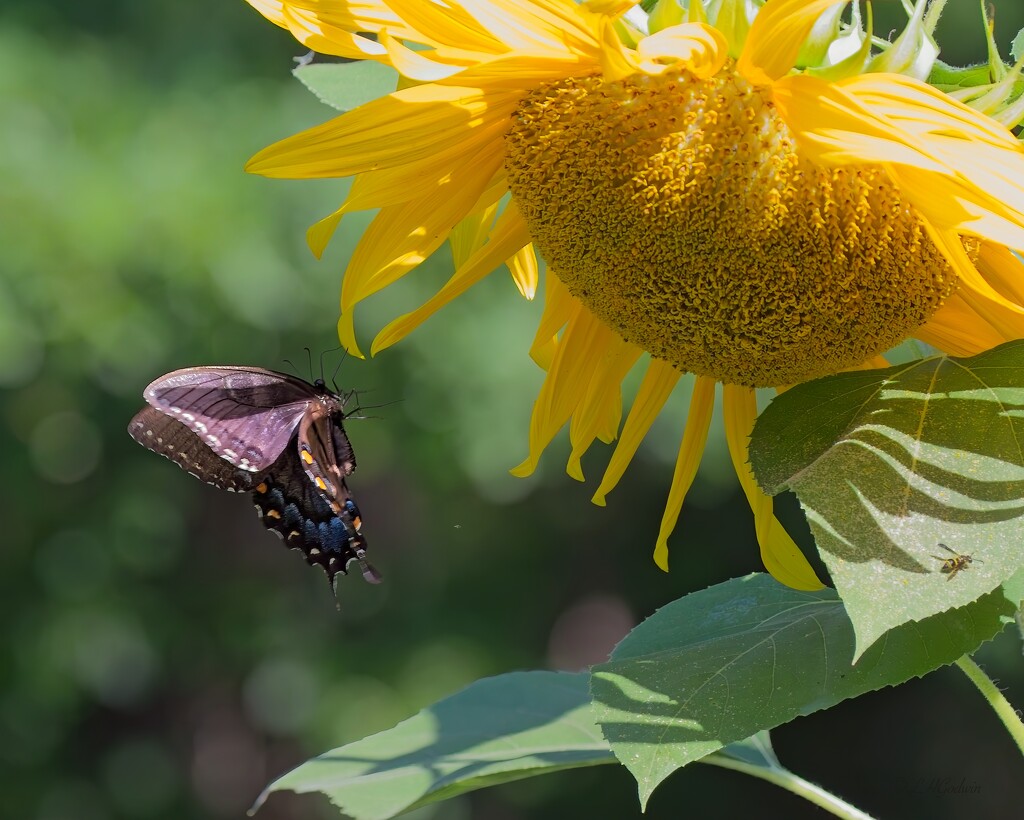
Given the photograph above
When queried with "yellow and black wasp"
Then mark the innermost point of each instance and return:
(951, 566)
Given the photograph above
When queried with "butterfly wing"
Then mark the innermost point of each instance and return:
(172, 439)
(294, 508)
(246, 415)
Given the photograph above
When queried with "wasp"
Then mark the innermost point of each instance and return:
(951, 566)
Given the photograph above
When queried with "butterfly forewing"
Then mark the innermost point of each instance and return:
(172, 439)
(245, 415)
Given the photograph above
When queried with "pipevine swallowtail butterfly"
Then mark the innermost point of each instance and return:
(246, 429)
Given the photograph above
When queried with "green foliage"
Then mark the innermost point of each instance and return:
(888, 464)
(347, 85)
(494, 731)
(749, 654)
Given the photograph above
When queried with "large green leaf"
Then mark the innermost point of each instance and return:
(347, 85)
(750, 654)
(496, 730)
(889, 464)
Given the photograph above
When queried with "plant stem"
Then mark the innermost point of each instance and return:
(794, 783)
(1000, 705)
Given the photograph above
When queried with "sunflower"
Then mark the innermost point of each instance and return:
(758, 202)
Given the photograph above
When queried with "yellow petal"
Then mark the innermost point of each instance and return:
(957, 329)
(471, 234)
(1006, 317)
(1003, 270)
(402, 236)
(524, 270)
(775, 38)
(451, 25)
(698, 420)
(699, 48)
(333, 28)
(509, 233)
(319, 233)
(536, 26)
(407, 126)
(657, 385)
(960, 169)
(273, 10)
(558, 307)
(780, 554)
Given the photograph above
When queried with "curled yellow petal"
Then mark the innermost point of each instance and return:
(775, 38)
(579, 353)
(599, 413)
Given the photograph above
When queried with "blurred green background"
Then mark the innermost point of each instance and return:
(161, 655)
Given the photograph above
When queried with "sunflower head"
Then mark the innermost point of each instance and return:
(756, 193)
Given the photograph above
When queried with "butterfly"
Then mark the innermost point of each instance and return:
(246, 429)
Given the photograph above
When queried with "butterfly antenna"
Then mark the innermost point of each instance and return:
(309, 359)
(334, 375)
(291, 364)
(359, 408)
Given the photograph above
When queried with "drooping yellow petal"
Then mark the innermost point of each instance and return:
(579, 353)
(415, 181)
(775, 38)
(698, 420)
(600, 412)
(509, 234)
(558, 308)
(657, 385)
(402, 236)
(471, 233)
(780, 554)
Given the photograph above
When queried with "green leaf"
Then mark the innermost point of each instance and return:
(1017, 46)
(889, 464)
(749, 654)
(348, 85)
(494, 731)
(949, 77)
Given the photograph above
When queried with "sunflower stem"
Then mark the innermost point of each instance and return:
(1000, 705)
(793, 783)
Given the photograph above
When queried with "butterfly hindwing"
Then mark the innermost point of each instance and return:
(172, 439)
(294, 508)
